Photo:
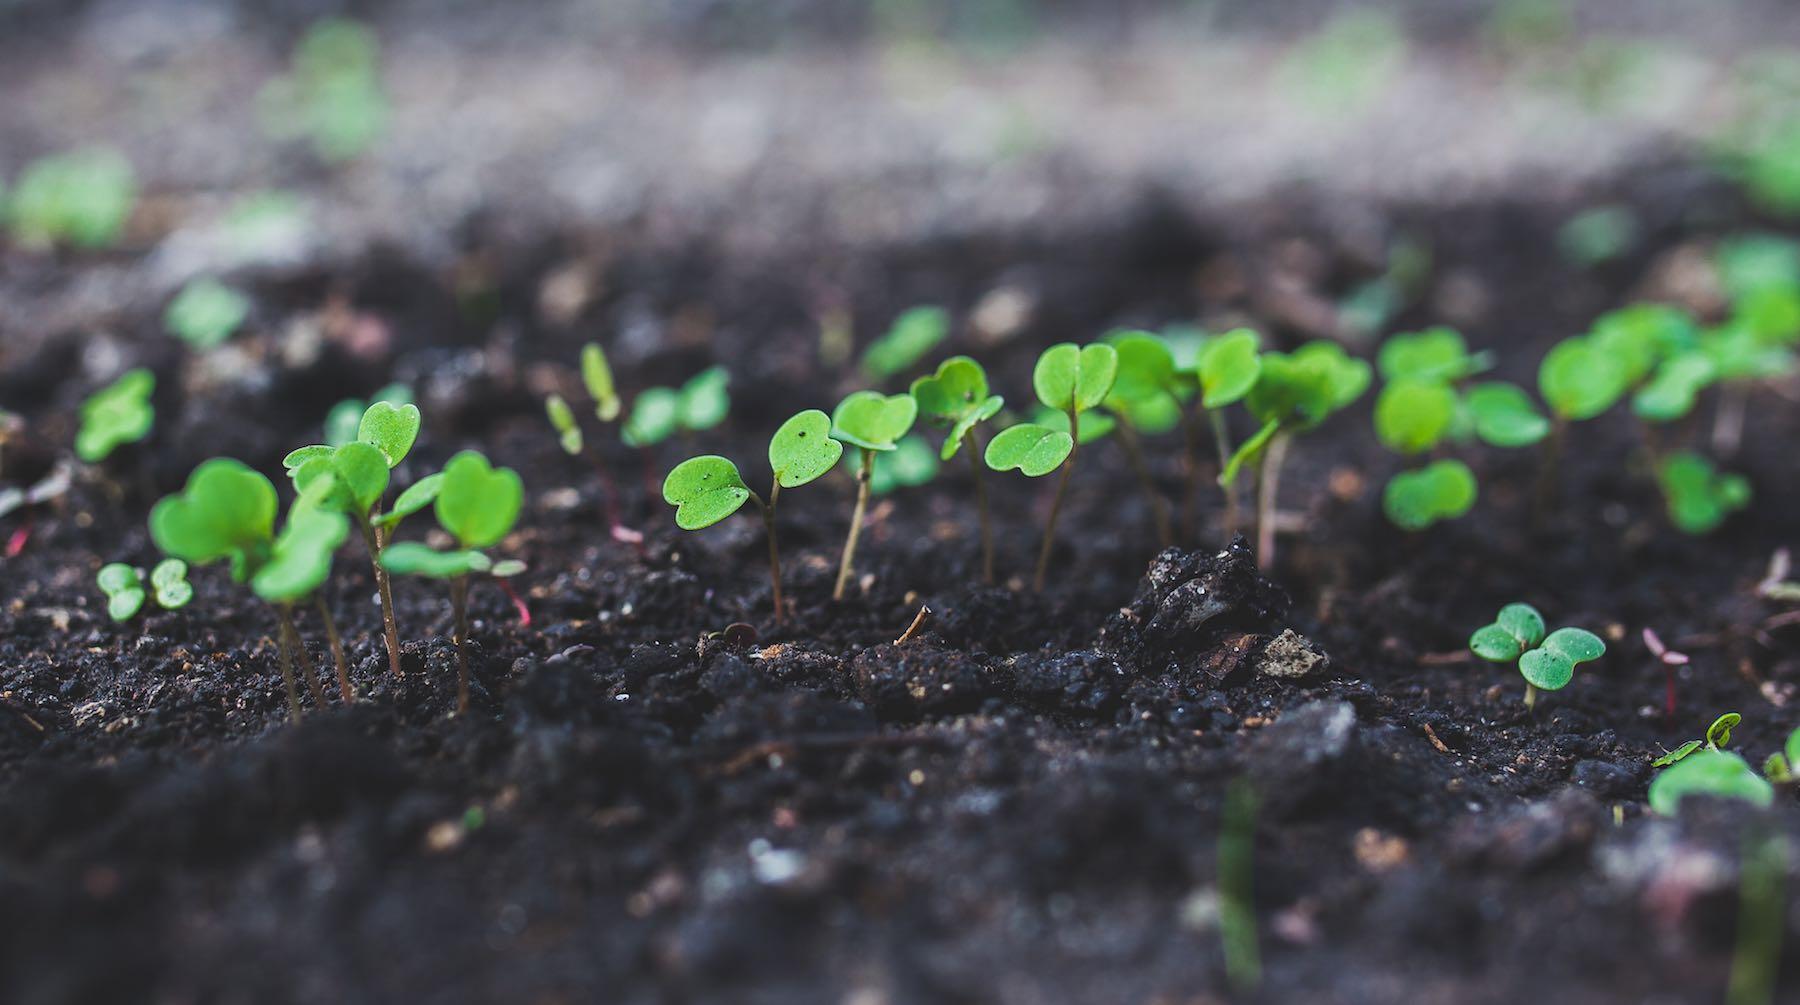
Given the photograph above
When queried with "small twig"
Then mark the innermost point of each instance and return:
(912, 630)
(1431, 734)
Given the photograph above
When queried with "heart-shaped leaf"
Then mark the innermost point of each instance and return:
(1068, 376)
(597, 377)
(124, 589)
(205, 313)
(913, 334)
(1412, 416)
(226, 510)
(419, 495)
(1504, 415)
(802, 449)
(872, 420)
(301, 557)
(478, 503)
(956, 397)
(1518, 628)
(117, 414)
(1579, 380)
(911, 463)
(1228, 367)
(1146, 369)
(1031, 449)
(169, 580)
(360, 475)
(704, 490)
(1546, 670)
(1435, 354)
(410, 558)
(1442, 490)
(390, 428)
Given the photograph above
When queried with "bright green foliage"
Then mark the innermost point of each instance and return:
(1295, 392)
(872, 420)
(956, 398)
(391, 428)
(1738, 354)
(1579, 380)
(912, 463)
(597, 377)
(1071, 378)
(1699, 496)
(1716, 773)
(913, 334)
(704, 490)
(1436, 354)
(1771, 314)
(1552, 665)
(655, 416)
(300, 560)
(82, 198)
(1442, 490)
(1779, 768)
(117, 414)
(410, 558)
(1228, 367)
(661, 412)
(1750, 263)
(1598, 235)
(344, 422)
(1671, 391)
(1518, 630)
(226, 510)
(417, 496)
(478, 503)
(1149, 389)
(1637, 337)
(802, 449)
(124, 589)
(1718, 735)
(1504, 415)
(332, 96)
(562, 419)
(1413, 415)
(169, 580)
(1032, 449)
(205, 313)
(350, 479)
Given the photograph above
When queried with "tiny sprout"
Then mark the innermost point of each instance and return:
(169, 581)
(1413, 415)
(332, 96)
(661, 412)
(1780, 766)
(562, 419)
(82, 198)
(1227, 368)
(956, 398)
(124, 589)
(874, 422)
(205, 313)
(1718, 737)
(1579, 380)
(1710, 772)
(597, 377)
(1698, 496)
(913, 334)
(1547, 662)
(1435, 355)
(1442, 490)
(117, 414)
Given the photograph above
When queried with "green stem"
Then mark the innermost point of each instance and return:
(1159, 507)
(865, 473)
(459, 604)
(768, 515)
(1530, 696)
(337, 651)
(309, 671)
(1268, 489)
(287, 665)
(972, 447)
(385, 586)
(1062, 489)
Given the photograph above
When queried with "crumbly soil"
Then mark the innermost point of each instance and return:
(1021, 803)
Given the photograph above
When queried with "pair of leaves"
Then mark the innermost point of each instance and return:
(955, 398)
(1442, 490)
(117, 414)
(205, 313)
(226, 510)
(1547, 662)
(1070, 380)
(705, 490)
(912, 335)
(872, 420)
(476, 503)
(1718, 735)
(661, 412)
(1698, 496)
(1299, 390)
(1413, 415)
(390, 427)
(345, 421)
(346, 479)
(124, 587)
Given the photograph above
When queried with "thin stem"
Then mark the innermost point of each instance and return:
(337, 651)
(385, 586)
(309, 671)
(1268, 489)
(768, 515)
(1062, 488)
(1222, 442)
(1159, 507)
(459, 604)
(287, 666)
(973, 448)
(865, 473)
(1530, 696)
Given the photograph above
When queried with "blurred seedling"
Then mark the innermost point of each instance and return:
(1547, 662)
(705, 490)
(1442, 490)
(1698, 496)
(1707, 771)
(908, 340)
(82, 198)
(1780, 767)
(874, 423)
(1226, 368)
(332, 97)
(913, 463)
(1669, 660)
(115, 415)
(1148, 397)
(696, 406)
(1718, 737)
(956, 399)
(344, 422)
(477, 504)
(125, 592)
(205, 313)
(1073, 380)
(597, 379)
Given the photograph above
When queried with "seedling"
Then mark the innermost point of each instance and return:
(660, 412)
(1669, 659)
(1072, 380)
(1436, 354)
(956, 398)
(1546, 662)
(1709, 772)
(124, 589)
(562, 419)
(875, 423)
(1780, 768)
(332, 97)
(597, 378)
(299, 563)
(117, 414)
(478, 505)
(205, 313)
(169, 582)
(1148, 397)
(1699, 497)
(911, 337)
(913, 463)
(344, 421)
(82, 198)
(1226, 368)
(1442, 490)
(1718, 737)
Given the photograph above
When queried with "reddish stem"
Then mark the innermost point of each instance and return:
(16, 543)
(517, 602)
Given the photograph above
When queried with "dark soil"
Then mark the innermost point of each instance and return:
(1019, 804)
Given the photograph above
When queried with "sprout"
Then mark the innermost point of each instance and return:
(875, 423)
(956, 398)
(1579, 380)
(1227, 368)
(661, 412)
(299, 563)
(117, 414)
(332, 96)
(124, 589)
(597, 377)
(477, 504)
(705, 490)
(1718, 736)
(1716, 773)
(205, 313)
(169, 581)
(1546, 662)
(1147, 396)
(82, 198)
(1442, 490)
(562, 419)
(913, 334)
(913, 463)
(1699, 497)
(1780, 766)
(1413, 415)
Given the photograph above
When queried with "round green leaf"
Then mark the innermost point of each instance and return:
(1228, 367)
(1698, 496)
(911, 463)
(1146, 368)
(1545, 670)
(1518, 627)
(1577, 645)
(205, 313)
(1524, 623)
(390, 428)
(913, 334)
(116, 577)
(1435, 354)
(1504, 415)
(654, 417)
(872, 420)
(1495, 644)
(1639, 336)
(1579, 380)
(1670, 394)
(226, 510)
(301, 558)
(704, 490)
(124, 605)
(478, 503)
(955, 397)
(1075, 377)
(1032, 449)
(1412, 416)
(1716, 773)
(1442, 490)
(802, 449)
(410, 558)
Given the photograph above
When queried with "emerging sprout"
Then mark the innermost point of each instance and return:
(1780, 767)
(705, 490)
(332, 97)
(562, 419)
(117, 414)
(478, 505)
(661, 412)
(124, 589)
(875, 423)
(1718, 736)
(597, 377)
(82, 198)
(956, 398)
(1436, 355)
(1442, 490)
(205, 313)
(1546, 662)
(1709, 772)
(169, 581)
(1699, 496)
(911, 337)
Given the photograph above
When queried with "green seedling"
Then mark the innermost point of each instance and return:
(83, 198)
(562, 419)
(1579, 380)
(299, 563)
(124, 589)
(956, 398)
(874, 423)
(1503, 415)
(1442, 490)
(1148, 396)
(332, 97)
(1780, 767)
(913, 463)
(660, 412)
(205, 313)
(1436, 354)
(478, 505)
(1294, 393)
(911, 337)
(1371, 304)
(1718, 737)
(1698, 496)
(344, 422)
(168, 580)
(1414, 415)
(1547, 662)
(1673, 389)
(597, 377)
(1226, 368)
(1748, 264)
(117, 414)
(1709, 772)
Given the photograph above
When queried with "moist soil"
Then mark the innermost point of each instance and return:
(663, 795)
